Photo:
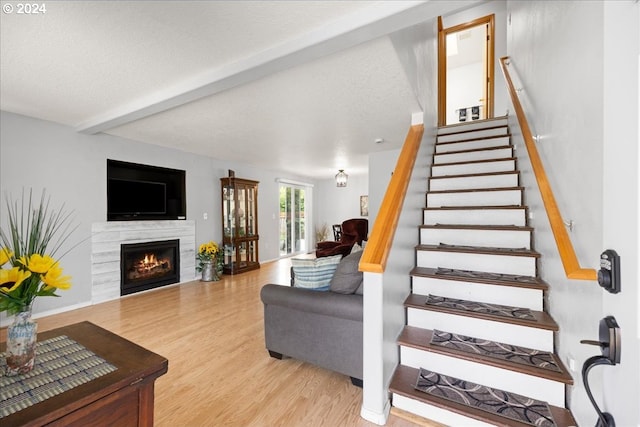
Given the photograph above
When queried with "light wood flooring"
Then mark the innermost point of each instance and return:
(220, 373)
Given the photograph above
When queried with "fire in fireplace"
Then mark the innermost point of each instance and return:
(149, 265)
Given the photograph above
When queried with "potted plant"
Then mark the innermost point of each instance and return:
(208, 258)
(28, 269)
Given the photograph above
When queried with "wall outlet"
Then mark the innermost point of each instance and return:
(205, 216)
(571, 362)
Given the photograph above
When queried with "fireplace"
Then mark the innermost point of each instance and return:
(149, 265)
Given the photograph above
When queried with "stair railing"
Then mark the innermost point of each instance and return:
(568, 256)
(376, 252)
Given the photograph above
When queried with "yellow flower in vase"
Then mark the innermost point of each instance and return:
(55, 279)
(10, 280)
(207, 253)
(5, 256)
(40, 264)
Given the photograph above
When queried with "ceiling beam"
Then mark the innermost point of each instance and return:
(376, 21)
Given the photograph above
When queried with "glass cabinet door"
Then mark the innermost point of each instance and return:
(251, 212)
(228, 206)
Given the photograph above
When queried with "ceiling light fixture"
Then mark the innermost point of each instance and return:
(341, 178)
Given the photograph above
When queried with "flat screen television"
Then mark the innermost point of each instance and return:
(132, 197)
(144, 192)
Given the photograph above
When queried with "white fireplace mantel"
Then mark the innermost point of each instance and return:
(106, 238)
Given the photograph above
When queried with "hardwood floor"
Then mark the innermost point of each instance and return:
(220, 373)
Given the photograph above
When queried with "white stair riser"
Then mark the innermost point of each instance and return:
(472, 182)
(493, 294)
(473, 125)
(481, 133)
(435, 413)
(467, 237)
(490, 263)
(473, 145)
(490, 376)
(471, 168)
(541, 339)
(475, 216)
(470, 156)
(475, 198)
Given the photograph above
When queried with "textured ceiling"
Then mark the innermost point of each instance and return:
(83, 60)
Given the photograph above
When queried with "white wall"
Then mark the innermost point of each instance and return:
(559, 56)
(72, 167)
(464, 89)
(333, 205)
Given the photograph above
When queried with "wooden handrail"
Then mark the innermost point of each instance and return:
(568, 256)
(376, 252)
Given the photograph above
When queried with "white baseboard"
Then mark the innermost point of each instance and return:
(376, 417)
(6, 320)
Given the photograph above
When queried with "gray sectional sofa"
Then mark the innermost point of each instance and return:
(319, 327)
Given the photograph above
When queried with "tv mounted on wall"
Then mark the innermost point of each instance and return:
(144, 192)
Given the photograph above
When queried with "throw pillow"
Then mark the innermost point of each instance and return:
(316, 273)
(347, 279)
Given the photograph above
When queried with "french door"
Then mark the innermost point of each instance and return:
(293, 223)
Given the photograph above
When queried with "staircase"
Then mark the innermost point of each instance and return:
(476, 323)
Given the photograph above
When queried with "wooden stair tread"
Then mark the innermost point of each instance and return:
(480, 138)
(468, 162)
(477, 227)
(479, 250)
(481, 207)
(419, 338)
(476, 175)
(463, 124)
(405, 377)
(542, 319)
(506, 279)
(476, 190)
(475, 150)
(467, 131)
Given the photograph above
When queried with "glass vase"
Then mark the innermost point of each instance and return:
(209, 272)
(21, 343)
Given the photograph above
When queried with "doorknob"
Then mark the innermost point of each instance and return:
(610, 345)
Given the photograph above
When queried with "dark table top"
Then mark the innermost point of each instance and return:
(133, 363)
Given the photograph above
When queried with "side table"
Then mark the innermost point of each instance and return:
(124, 397)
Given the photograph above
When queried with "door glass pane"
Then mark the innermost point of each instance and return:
(292, 220)
(298, 202)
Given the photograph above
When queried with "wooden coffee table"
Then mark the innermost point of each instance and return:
(120, 398)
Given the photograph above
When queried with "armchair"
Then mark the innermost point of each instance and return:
(354, 231)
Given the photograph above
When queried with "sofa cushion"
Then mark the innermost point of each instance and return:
(314, 273)
(347, 279)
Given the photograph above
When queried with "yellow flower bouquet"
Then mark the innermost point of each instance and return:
(28, 250)
(208, 253)
(32, 271)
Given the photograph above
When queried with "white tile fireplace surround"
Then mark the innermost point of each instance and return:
(106, 238)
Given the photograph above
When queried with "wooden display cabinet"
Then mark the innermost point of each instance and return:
(239, 224)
